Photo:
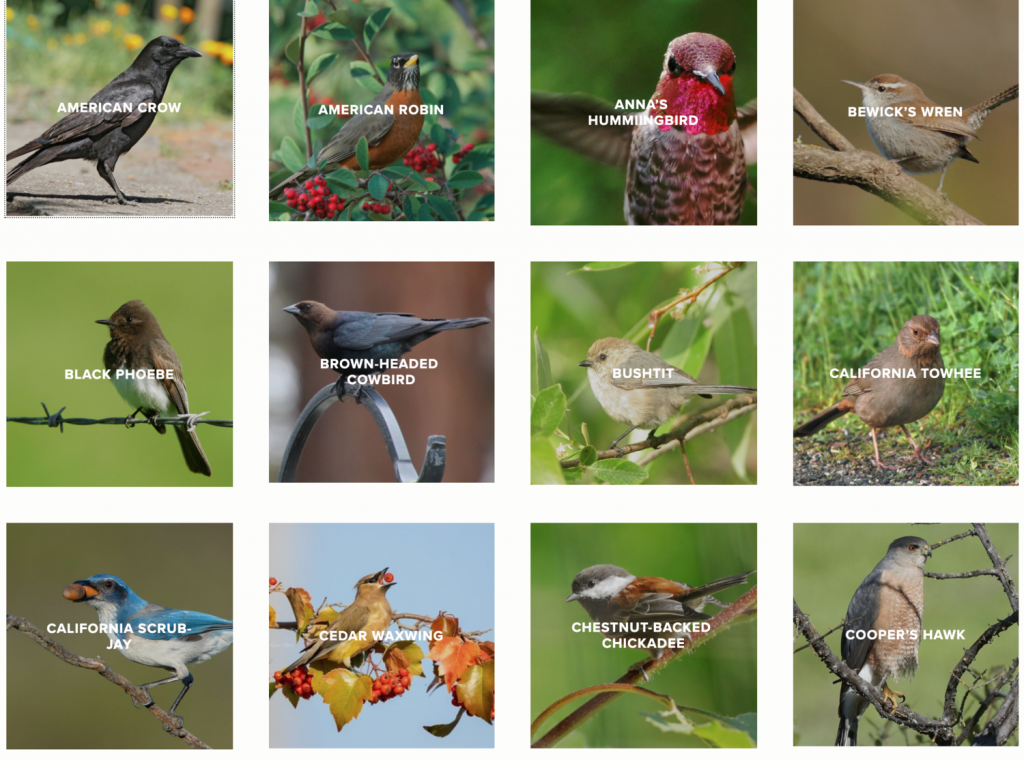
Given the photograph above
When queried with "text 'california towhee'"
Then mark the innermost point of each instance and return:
(883, 402)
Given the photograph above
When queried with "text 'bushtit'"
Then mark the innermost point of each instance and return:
(639, 389)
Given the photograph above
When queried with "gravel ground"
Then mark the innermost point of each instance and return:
(186, 171)
(850, 463)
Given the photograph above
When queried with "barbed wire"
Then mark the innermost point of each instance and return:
(56, 420)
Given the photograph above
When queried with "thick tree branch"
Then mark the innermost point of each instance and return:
(689, 427)
(138, 694)
(868, 171)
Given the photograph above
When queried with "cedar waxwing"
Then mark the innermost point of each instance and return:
(368, 614)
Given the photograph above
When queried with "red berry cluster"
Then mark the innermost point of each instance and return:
(462, 153)
(377, 208)
(273, 581)
(316, 198)
(423, 159)
(393, 683)
(299, 679)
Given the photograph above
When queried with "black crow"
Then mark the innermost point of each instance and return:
(120, 120)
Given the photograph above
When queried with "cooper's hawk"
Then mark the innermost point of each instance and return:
(883, 628)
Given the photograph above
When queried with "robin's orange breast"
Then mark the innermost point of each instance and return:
(400, 138)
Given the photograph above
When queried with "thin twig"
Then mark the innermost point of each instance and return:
(655, 316)
(301, 65)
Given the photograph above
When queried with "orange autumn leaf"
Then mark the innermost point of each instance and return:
(453, 656)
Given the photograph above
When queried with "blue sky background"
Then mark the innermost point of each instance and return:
(437, 567)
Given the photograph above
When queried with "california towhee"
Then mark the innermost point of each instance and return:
(883, 402)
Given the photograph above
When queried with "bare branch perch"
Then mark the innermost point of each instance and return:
(138, 694)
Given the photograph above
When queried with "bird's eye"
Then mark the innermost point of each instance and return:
(127, 319)
(913, 547)
(733, 67)
(109, 584)
(602, 357)
(881, 89)
(591, 584)
(674, 68)
(915, 332)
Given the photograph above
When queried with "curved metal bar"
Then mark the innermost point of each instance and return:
(405, 471)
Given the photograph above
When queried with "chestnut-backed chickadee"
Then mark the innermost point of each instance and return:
(611, 594)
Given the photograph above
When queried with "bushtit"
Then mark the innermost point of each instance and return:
(639, 389)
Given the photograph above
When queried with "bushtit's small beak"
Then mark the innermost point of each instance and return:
(584, 363)
(571, 598)
(933, 338)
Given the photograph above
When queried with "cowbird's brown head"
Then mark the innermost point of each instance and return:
(404, 73)
(132, 319)
(311, 313)
(165, 52)
(919, 338)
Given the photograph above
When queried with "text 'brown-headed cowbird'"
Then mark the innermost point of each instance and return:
(883, 402)
(367, 342)
(105, 134)
(137, 343)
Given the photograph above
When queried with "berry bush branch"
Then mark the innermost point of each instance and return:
(141, 696)
(743, 610)
(846, 165)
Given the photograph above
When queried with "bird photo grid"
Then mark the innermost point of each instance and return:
(358, 364)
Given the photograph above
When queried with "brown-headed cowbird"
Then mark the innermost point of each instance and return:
(138, 344)
(367, 342)
(124, 111)
(640, 389)
(890, 401)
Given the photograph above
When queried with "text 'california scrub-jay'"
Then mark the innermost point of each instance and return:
(150, 634)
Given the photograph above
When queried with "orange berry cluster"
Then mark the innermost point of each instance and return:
(423, 159)
(299, 680)
(462, 153)
(393, 683)
(316, 198)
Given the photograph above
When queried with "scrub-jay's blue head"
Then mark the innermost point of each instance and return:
(150, 634)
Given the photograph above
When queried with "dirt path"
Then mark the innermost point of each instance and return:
(186, 171)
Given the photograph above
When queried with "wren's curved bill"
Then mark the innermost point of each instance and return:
(389, 136)
(611, 594)
(685, 174)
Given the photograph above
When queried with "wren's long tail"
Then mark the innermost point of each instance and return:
(720, 585)
(975, 115)
(821, 419)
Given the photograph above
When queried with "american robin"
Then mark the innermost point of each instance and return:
(389, 136)
(691, 173)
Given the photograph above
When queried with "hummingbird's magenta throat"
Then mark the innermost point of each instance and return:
(692, 96)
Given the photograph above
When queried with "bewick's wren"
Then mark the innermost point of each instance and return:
(919, 140)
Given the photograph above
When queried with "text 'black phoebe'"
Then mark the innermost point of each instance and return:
(370, 339)
(138, 343)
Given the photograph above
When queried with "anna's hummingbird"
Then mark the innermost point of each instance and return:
(692, 172)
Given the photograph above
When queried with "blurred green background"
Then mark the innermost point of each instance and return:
(42, 560)
(720, 676)
(716, 341)
(977, 306)
(830, 561)
(613, 50)
(60, 302)
(928, 44)
(60, 52)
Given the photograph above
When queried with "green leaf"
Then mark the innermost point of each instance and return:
(547, 411)
(279, 208)
(320, 65)
(544, 466)
(291, 156)
(378, 186)
(451, 100)
(343, 176)
(573, 474)
(334, 31)
(444, 209)
(588, 455)
(543, 362)
(465, 179)
(373, 25)
(601, 266)
(424, 215)
(310, 9)
(363, 154)
(619, 472)
(291, 50)
(298, 118)
(481, 157)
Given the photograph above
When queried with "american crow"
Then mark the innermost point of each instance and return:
(107, 133)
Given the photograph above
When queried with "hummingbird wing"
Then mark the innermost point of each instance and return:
(747, 117)
(563, 119)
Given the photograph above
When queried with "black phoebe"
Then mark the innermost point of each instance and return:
(137, 343)
(372, 339)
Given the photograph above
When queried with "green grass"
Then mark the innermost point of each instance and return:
(845, 313)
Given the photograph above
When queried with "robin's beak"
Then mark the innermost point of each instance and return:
(412, 61)
(584, 363)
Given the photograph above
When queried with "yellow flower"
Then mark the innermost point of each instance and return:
(210, 47)
(10, 15)
(99, 28)
(169, 12)
(122, 9)
(227, 53)
(67, 39)
(132, 41)
(33, 22)
(52, 44)
(81, 38)
(187, 15)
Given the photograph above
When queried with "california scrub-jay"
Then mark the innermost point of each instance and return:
(150, 634)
